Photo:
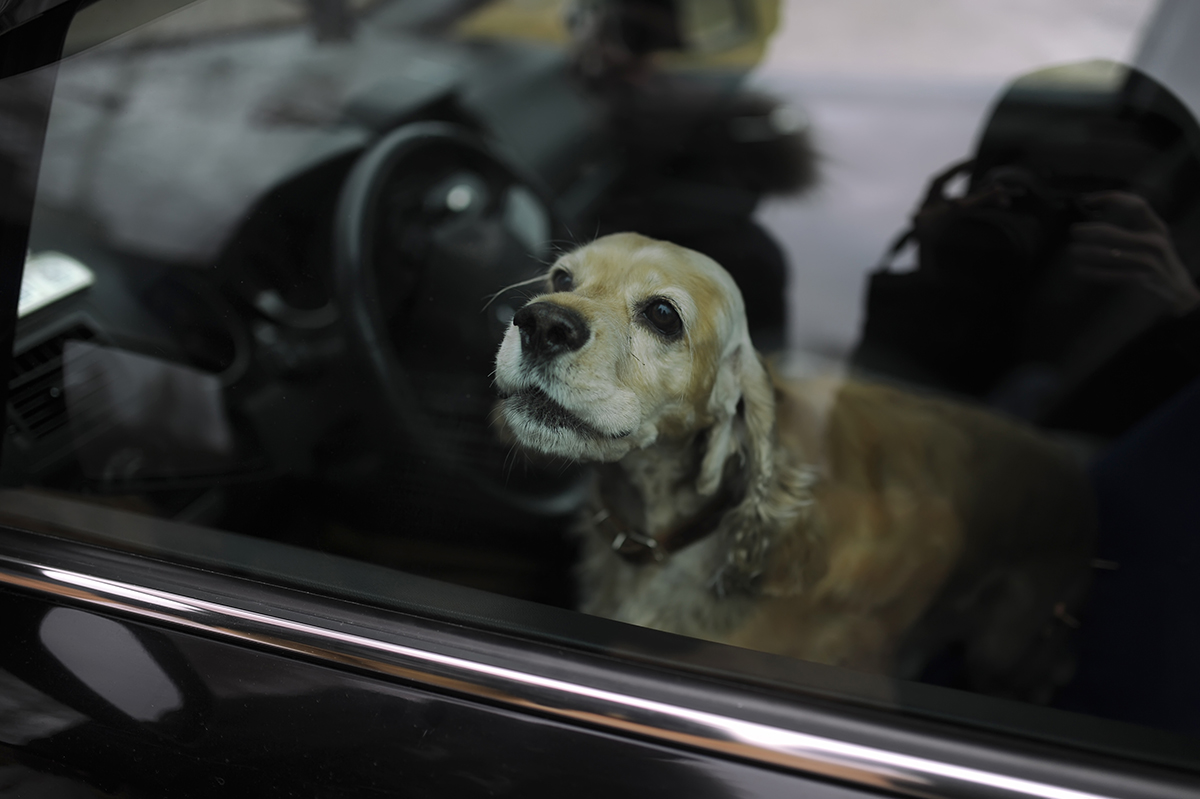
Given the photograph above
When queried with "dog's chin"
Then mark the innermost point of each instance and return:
(539, 423)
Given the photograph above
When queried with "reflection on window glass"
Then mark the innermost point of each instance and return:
(858, 333)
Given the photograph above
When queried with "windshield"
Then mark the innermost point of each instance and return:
(858, 334)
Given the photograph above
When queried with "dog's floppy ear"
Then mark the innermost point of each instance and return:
(744, 404)
(742, 388)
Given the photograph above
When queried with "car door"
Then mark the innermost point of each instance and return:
(254, 539)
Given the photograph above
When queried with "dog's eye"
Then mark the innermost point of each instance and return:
(562, 281)
(663, 317)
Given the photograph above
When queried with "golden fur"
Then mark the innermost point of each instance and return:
(872, 525)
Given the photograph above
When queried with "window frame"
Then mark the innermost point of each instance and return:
(871, 749)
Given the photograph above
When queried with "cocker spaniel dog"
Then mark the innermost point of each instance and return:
(834, 521)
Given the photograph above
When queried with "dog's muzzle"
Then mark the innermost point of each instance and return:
(549, 329)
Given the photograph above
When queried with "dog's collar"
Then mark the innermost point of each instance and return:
(632, 543)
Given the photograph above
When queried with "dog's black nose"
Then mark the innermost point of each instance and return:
(549, 329)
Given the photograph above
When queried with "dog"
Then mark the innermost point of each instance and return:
(836, 521)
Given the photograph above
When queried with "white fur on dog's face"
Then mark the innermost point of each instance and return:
(628, 383)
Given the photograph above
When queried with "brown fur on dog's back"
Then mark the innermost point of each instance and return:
(922, 499)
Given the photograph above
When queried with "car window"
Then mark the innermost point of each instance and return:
(861, 334)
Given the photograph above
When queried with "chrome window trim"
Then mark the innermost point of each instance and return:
(316, 637)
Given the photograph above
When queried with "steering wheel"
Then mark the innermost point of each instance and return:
(432, 225)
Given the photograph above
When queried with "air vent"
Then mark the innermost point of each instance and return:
(35, 394)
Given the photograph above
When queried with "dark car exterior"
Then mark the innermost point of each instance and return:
(151, 656)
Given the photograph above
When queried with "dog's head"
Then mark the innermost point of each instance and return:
(636, 339)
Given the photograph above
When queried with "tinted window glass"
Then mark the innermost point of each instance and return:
(855, 333)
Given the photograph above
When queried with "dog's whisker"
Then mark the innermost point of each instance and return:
(633, 354)
(519, 284)
(571, 236)
(514, 454)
